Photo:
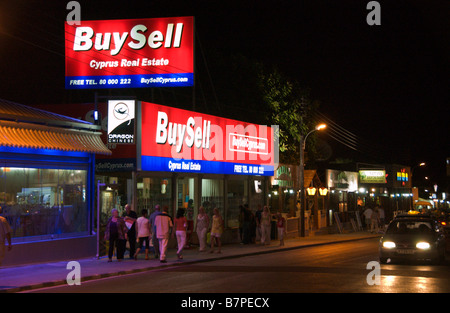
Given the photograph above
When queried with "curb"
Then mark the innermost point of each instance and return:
(146, 269)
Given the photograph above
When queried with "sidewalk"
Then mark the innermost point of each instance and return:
(34, 276)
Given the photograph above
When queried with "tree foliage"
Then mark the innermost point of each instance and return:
(290, 108)
(251, 91)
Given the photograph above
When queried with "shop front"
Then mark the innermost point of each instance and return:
(187, 159)
(47, 183)
(283, 197)
(388, 187)
(344, 197)
(217, 162)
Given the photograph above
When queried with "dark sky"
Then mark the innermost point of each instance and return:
(387, 84)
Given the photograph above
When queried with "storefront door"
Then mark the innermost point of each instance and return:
(187, 198)
(186, 195)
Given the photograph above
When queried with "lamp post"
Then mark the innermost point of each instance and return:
(98, 217)
(412, 182)
(301, 177)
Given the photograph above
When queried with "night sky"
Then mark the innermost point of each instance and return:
(386, 84)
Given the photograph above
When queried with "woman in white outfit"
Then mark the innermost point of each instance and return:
(201, 228)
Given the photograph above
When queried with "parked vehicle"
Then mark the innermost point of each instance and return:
(413, 237)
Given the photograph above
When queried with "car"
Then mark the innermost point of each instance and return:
(413, 237)
(444, 219)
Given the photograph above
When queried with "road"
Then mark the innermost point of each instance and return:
(334, 268)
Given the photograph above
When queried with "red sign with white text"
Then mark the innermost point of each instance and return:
(130, 53)
(217, 145)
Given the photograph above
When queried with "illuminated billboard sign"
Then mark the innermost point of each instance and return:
(176, 140)
(342, 180)
(156, 52)
(372, 176)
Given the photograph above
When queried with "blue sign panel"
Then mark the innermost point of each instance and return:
(130, 81)
(150, 163)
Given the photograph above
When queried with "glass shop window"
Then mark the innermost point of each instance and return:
(212, 196)
(237, 195)
(152, 191)
(43, 203)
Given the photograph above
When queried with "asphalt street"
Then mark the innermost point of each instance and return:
(333, 268)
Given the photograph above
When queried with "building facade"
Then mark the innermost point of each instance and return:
(47, 183)
(181, 159)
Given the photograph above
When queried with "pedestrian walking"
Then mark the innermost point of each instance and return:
(130, 218)
(143, 234)
(281, 227)
(241, 223)
(216, 230)
(151, 220)
(265, 225)
(248, 217)
(258, 213)
(381, 216)
(5, 235)
(116, 233)
(180, 226)
(367, 217)
(201, 228)
(164, 224)
(374, 221)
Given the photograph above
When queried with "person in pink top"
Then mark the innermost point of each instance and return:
(281, 227)
(180, 225)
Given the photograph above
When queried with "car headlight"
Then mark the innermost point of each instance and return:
(388, 244)
(423, 245)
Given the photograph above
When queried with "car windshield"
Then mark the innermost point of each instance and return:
(410, 227)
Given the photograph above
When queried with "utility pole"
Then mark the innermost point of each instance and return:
(301, 182)
(301, 176)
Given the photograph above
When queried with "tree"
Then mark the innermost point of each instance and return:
(291, 108)
(249, 90)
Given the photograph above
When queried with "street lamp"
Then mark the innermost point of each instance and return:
(301, 177)
(412, 175)
(318, 127)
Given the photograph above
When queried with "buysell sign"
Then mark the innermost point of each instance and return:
(157, 52)
(177, 140)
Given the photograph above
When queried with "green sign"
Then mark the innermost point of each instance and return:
(372, 176)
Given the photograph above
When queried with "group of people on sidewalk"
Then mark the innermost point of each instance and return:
(159, 227)
(374, 219)
(260, 223)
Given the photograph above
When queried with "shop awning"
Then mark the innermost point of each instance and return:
(310, 176)
(42, 137)
(22, 126)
